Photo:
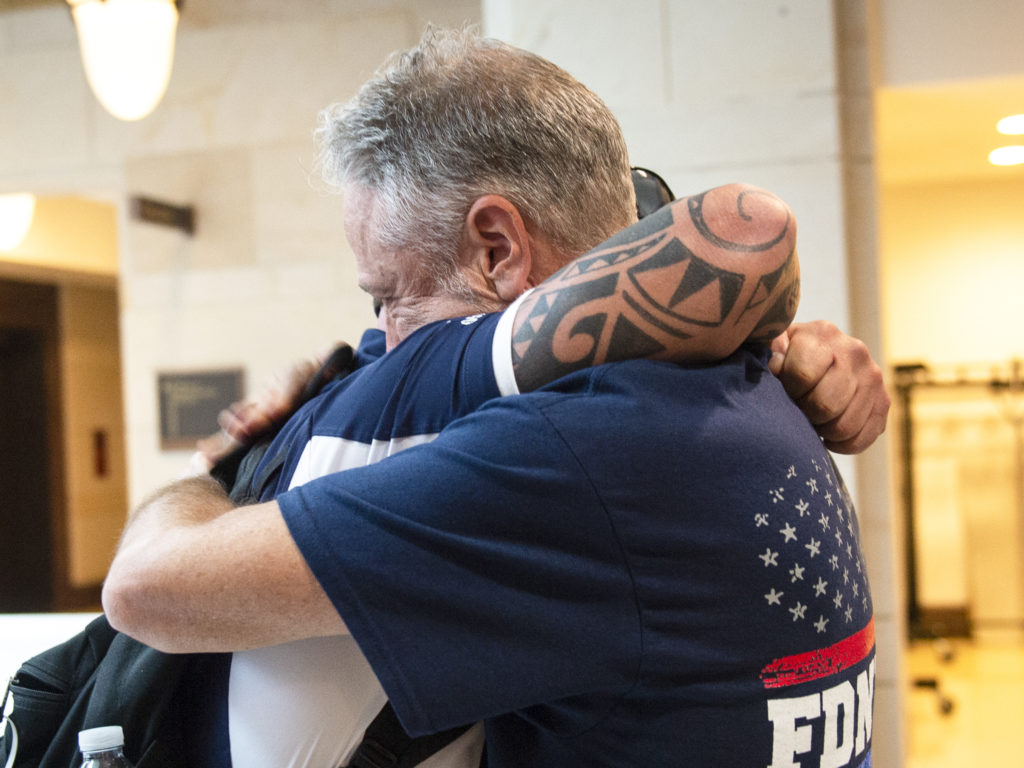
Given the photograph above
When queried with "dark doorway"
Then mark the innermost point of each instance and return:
(25, 504)
(31, 474)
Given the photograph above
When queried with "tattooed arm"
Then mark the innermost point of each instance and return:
(689, 283)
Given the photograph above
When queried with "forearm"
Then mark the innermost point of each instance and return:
(689, 283)
(194, 573)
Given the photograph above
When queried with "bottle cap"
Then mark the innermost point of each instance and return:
(107, 737)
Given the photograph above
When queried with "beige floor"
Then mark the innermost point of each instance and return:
(985, 683)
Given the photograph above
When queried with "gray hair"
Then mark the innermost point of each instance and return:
(460, 116)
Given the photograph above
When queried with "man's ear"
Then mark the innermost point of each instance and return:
(499, 245)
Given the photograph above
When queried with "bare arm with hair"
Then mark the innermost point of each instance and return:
(689, 283)
(194, 573)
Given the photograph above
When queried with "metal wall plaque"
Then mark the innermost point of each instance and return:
(190, 401)
(181, 217)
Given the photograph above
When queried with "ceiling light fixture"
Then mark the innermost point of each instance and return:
(16, 212)
(1012, 125)
(1011, 155)
(127, 51)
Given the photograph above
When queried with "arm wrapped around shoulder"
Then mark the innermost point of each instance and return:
(688, 283)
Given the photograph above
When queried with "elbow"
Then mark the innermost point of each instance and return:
(769, 221)
(767, 229)
(752, 222)
(122, 601)
(133, 609)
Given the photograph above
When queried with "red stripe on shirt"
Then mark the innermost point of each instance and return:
(814, 665)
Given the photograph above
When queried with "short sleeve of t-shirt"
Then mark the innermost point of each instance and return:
(501, 349)
(478, 574)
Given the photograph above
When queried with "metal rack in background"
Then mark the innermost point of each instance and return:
(1006, 383)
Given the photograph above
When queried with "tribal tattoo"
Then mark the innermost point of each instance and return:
(689, 283)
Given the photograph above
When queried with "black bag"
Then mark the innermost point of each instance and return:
(98, 677)
(101, 677)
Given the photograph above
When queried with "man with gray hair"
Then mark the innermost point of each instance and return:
(444, 127)
(487, 575)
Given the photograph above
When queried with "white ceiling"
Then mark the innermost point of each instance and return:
(950, 70)
(944, 132)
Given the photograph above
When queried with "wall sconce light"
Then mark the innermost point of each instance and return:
(127, 50)
(15, 218)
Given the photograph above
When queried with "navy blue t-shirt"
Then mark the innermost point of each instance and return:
(405, 397)
(640, 564)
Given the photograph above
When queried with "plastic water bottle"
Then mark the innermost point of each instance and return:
(103, 748)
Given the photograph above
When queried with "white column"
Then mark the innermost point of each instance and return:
(744, 90)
